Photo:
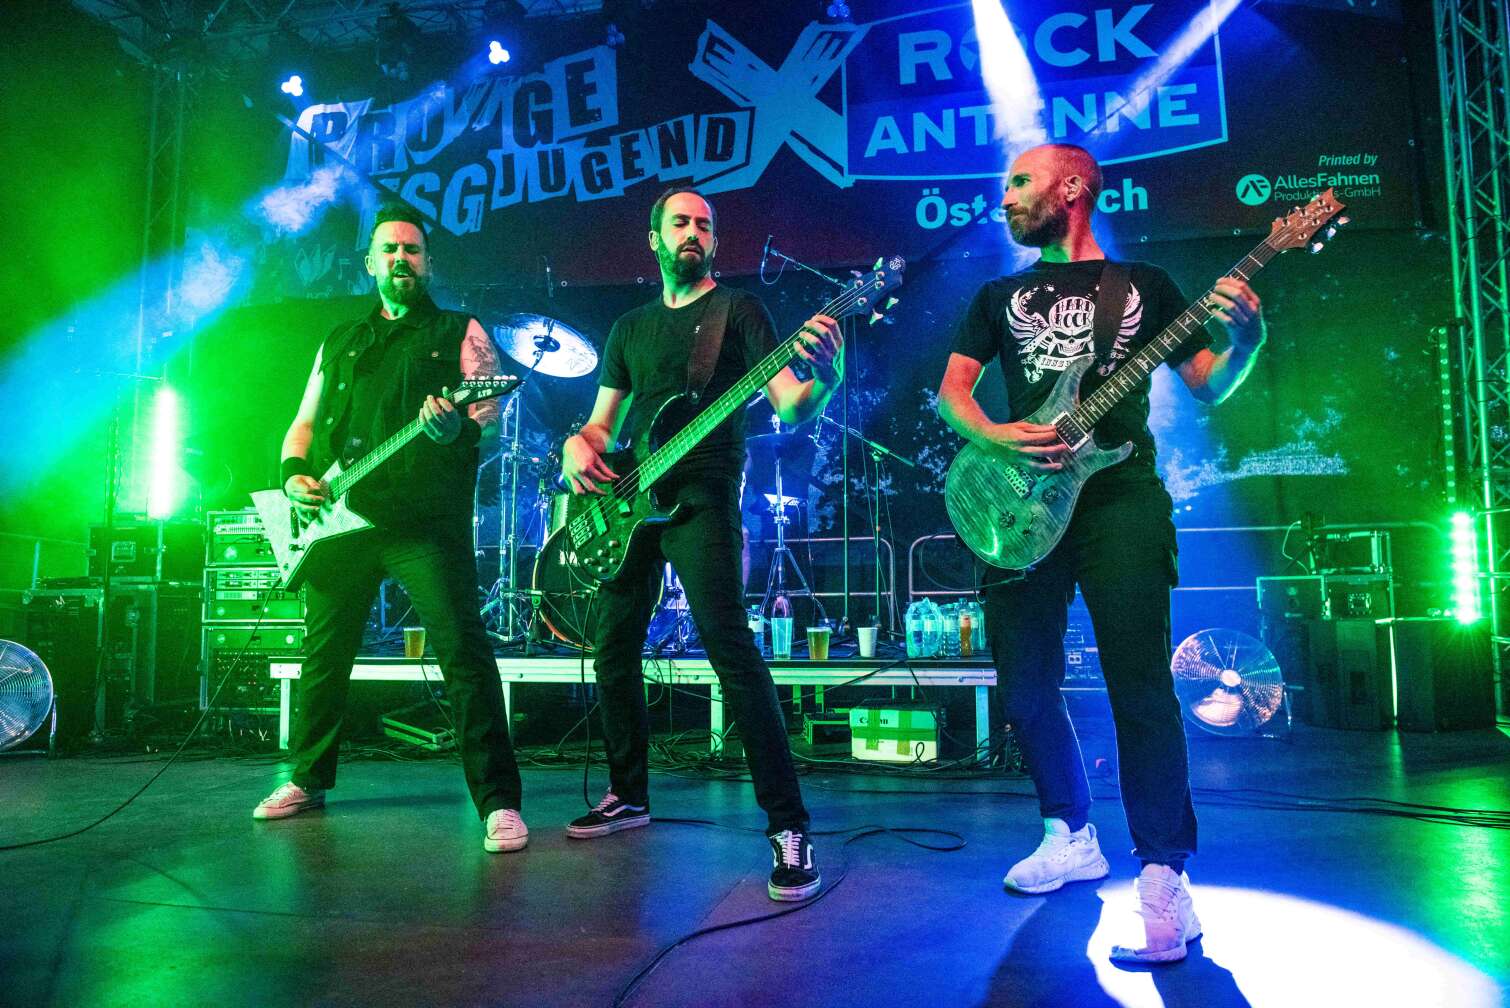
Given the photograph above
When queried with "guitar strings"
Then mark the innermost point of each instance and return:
(623, 484)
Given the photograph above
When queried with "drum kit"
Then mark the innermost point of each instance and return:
(557, 603)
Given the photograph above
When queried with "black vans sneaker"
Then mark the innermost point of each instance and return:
(795, 874)
(609, 816)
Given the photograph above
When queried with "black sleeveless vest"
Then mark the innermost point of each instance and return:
(423, 480)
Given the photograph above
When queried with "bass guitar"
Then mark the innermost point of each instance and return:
(295, 539)
(602, 530)
(1011, 516)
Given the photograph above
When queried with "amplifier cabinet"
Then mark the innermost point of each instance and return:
(1444, 673)
(136, 549)
(249, 595)
(152, 658)
(237, 539)
(1352, 687)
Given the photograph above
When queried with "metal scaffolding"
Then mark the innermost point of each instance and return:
(1473, 49)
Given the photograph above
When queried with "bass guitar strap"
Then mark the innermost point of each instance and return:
(707, 341)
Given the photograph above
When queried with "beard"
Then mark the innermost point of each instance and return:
(685, 269)
(404, 294)
(1043, 225)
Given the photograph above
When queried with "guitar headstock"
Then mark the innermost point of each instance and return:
(1308, 226)
(471, 390)
(867, 293)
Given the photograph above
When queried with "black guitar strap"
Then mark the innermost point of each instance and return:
(1111, 302)
(708, 340)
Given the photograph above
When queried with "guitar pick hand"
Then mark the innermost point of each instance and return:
(307, 495)
(1038, 446)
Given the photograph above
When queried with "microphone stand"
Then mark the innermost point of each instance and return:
(847, 328)
(878, 453)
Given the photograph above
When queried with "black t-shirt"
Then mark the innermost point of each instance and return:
(1040, 319)
(647, 354)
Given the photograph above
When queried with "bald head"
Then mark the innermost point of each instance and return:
(1072, 170)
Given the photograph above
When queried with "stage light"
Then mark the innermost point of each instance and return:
(165, 486)
(1016, 103)
(497, 53)
(834, 12)
(293, 86)
(1465, 569)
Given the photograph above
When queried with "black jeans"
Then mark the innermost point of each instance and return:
(436, 567)
(1120, 549)
(703, 547)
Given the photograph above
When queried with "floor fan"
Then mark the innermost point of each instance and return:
(1227, 682)
(26, 696)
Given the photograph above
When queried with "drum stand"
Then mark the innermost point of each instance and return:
(500, 608)
(781, 555)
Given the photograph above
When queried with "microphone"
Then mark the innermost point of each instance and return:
(766, 254)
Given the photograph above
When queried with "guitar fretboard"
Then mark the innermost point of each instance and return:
(1136, 369)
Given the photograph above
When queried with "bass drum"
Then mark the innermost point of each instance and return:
(566, 591)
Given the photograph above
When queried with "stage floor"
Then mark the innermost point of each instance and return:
(387, 898)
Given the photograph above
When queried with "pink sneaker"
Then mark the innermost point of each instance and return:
(288, 800)
(1169, 920)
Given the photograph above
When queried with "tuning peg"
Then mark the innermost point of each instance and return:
(1317, 247)
(1331, 232)
(876, 266)
(1344, 220)
(891, 303)
(856, 274)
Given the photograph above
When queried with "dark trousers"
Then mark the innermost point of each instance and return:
(704, 548)
(436, 567)
(1120, 550)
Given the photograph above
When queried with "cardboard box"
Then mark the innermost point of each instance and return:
(893, 732)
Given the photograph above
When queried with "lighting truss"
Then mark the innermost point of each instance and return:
(1473, 59)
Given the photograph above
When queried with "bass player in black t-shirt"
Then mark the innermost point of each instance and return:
(645, 364)
(1120, 544)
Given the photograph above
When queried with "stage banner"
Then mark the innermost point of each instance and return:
(846, 141)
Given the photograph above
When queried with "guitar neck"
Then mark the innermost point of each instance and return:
(670, 453)
(348, 478)
(1136, 369)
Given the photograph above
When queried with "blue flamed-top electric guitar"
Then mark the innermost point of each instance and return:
(600, 532)
(1011, 516)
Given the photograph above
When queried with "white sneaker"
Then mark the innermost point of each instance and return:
(505, 832)
(288, 800)
(1169, 920)
(1062, 857)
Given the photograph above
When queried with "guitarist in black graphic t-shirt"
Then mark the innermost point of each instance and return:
(646, 364)
(1119, 547)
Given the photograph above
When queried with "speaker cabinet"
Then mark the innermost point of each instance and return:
(1444, 673)
(1351, 672)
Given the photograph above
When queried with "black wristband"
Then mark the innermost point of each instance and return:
(295, 466)
(470, 435)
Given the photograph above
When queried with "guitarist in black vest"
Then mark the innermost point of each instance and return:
(368, 377)
(1120, 544)
(644, 364)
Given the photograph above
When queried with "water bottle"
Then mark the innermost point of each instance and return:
(951, 630)
(977, 625)
(924, 627)
(756, 623)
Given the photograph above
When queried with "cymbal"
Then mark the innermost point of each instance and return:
(563, 351)
(784, 443)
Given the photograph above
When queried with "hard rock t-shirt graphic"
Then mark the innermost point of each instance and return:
(1051, 331)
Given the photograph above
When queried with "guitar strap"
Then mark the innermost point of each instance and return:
(708, 340)
(1111, 302)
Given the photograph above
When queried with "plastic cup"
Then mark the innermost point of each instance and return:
(817, 643)
(414, 642)
(781, 636)
(867, 635)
